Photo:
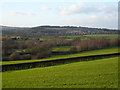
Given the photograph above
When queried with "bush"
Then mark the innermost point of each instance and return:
(15, 56)
(26, 57)
(72, 50)
(42, 55)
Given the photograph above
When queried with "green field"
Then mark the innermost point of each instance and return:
(103, 36)
(82, 37)
(64, 48)
(85, 53)
(100, 73)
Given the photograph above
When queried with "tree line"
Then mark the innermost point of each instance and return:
(33, 48)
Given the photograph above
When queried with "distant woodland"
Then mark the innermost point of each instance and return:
(54, 31)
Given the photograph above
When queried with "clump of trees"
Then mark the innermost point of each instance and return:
(18, 56)
(41, 51)
(91, 44)
(33, 48)
(25, 49)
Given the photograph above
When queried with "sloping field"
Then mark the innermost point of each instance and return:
(100, 73)
(29, 65)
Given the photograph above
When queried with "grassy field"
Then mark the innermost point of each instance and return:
(83, 37)
(64, 48)
(100, 73)
(103, 36)
(85, 53)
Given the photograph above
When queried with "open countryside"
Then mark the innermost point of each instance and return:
(47, 44)
(98, 72)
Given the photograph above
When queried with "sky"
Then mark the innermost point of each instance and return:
(24, 13)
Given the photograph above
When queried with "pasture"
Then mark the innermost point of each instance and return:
(103, 36)
(83, 37)
(101, 73)
(62, 48)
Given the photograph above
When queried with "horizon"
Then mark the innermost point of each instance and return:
(57, 25)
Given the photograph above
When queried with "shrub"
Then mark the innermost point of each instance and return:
(72, 50)
(26, 57)
(42, 55)
(15, 56)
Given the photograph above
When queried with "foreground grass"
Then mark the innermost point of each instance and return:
(85, 53)
(89, 74)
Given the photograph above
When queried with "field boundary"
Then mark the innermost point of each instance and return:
(20, 66)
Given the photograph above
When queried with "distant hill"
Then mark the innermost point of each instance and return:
(38, 27)
(11, 28)
(54, 31)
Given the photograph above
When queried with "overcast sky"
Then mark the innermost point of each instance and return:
(78, 13)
